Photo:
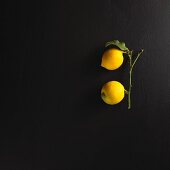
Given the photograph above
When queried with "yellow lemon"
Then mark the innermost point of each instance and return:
(112, 59)
(112, 92)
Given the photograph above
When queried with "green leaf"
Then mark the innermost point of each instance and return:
(120, 45)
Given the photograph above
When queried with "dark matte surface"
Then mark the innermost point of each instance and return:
(52, 116)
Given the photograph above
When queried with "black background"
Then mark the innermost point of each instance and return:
(52, 116)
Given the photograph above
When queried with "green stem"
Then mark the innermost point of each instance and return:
(131, 66)
(139, 54)
(130, 79)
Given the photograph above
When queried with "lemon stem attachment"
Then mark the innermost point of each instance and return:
(126, 92)
(131, 66)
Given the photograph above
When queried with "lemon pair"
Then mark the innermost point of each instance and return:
(112, 92)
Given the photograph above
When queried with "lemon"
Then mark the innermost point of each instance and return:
(112, 92)
(112, 59)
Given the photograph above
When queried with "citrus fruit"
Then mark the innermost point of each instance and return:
(112, 92)
(112, 59)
